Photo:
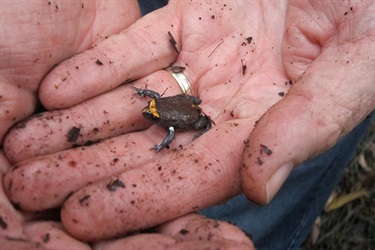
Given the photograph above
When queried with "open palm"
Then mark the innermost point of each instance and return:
(31, 46)
(236, 62)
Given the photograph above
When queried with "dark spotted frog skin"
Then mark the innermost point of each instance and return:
(174, 113)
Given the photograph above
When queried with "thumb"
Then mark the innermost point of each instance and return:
(321, 107)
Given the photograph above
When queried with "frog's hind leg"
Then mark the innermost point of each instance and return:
(166, 141)
(204, 124)
(194, 99)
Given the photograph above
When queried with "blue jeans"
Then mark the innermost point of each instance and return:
(287, 220)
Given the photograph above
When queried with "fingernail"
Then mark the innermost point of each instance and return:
(277, 180)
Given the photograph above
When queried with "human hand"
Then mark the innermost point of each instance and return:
(328, 52)
(35, 36)
(180, 187)
(26, 230)
(173, 183)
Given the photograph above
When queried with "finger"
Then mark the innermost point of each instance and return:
(201, 245)
(11, 221)
(10, 243)
(132, 54)
(194, 228)
(141, 241)
(67, 171)
(182, 181)
(111, 114)
(4, 163)
(15, 104)
(51, 235)
(45, 182)
(188, 232)
(319, 109)
(25, 64)
(157, 241)
(86, 123)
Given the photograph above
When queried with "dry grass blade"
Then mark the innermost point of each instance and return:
(344, 199)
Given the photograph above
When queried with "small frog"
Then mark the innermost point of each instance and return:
(179, 112)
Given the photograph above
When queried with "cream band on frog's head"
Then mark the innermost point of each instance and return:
(181, 79)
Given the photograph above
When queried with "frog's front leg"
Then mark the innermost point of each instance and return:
(167, 140)
(146, 92)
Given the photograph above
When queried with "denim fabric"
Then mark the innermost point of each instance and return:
(150, 5)
(286, 221)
